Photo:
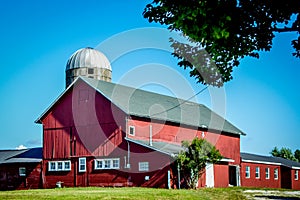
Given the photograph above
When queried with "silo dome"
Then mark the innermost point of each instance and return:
(90, 63)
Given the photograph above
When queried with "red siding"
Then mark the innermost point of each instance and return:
(295, 183)
(221, 175)
(10, 179)
(261, 181)
(228, 144)
(82, 125)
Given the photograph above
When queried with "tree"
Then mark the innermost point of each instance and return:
(297, 154)
(193, 159)
(285, 153)
(275, 152)
(229, 30)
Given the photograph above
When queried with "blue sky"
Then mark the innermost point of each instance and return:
(37, 38)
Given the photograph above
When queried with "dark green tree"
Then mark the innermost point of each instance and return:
(284, 153)
(297, 155)
(275, 152)
(193, 159)
(229, 30)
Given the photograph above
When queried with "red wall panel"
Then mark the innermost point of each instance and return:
(221, 175)
(261, 181)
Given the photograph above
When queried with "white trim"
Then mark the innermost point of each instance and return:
(110, 162)
(261, 162)
(277, 173)
(56, 165)
(147, 146)
(296, 175)
(133, 130)
(249, 173)
(227, 160)
(143, 166)
(267, 172)
(22, 171)
(257, 172)
(82, 164)
(293, 167)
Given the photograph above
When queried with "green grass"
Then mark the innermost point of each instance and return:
(124, 193)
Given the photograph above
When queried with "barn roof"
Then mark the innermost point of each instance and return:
(248, 157)
(137, 102)
(33, 155)
(163, 147)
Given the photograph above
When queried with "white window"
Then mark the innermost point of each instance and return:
(257, 172)
(296, 175)
(276, 173)
(22, 171)
(247, 172)
(143, 166)
(52, 166)
(108, 163)
(67, 165)
(267, 173)
(82, 165)
(59, 165)
(131, 130)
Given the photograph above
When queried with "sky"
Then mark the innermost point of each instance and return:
(38, 37)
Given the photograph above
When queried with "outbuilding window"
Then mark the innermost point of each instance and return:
(257, 172)
(22, 171)
(296, 175)
(267, 173)
(276, 173)
(82, 165)
(131, 130)
(247, 172)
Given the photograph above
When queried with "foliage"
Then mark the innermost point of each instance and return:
(297, 154)
(193, 159)
(229, 30)
(286, 153)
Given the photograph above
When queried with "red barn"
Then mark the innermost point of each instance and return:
(98, 133)
(267, 171)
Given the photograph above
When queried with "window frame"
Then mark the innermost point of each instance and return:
(133, 130)
(22, 171)
(144, 166)
(267, 173)
(276, 174)
(55, 164)
(81, 164)
(247, 172)
(257, 172)
(296, 175)
(106, 163)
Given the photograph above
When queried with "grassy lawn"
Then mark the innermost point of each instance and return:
(124, 193)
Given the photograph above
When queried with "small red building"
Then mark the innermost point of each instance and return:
(20, 169)
(98, 133)
(267, 171)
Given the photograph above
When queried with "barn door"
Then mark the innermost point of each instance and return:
(209, 175)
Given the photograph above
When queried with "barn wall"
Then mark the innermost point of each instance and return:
(228, 144)
(262, 181)
(159, 164)
(295, 183)
(82, 123)
(221, 175)
(10, 179)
